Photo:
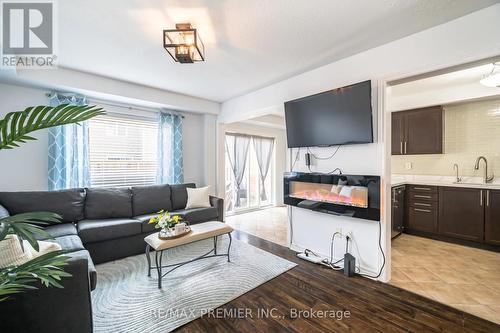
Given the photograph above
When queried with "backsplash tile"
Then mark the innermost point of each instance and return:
(471, 130)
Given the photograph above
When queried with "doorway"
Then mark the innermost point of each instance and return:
(442, 197)
(249, 172)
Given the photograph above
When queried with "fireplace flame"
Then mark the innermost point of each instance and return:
(355, 196)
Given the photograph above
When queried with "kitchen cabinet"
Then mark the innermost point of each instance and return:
(397, 133)
(418, 131)
(461, 213)
(398, 210)
(423, 208)
(492, 217)
(447, 213)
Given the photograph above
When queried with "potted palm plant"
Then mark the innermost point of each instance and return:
(48, 269)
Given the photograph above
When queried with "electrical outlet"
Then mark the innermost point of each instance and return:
(408, 165)
(348, 234)
(339, 230)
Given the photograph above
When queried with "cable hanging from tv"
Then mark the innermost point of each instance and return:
(324, 158)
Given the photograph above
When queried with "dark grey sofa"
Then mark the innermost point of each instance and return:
(98, 225)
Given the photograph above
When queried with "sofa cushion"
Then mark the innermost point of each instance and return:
(84, 254)
(105, 229)
(197, 215)
(150, 199)
(179, 195)
(145, 225)
(67, 203)
(70, 243)
(58, 230)
(111, 202)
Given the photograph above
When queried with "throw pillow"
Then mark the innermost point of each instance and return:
(43, 248)
(198, 197)
(13, 253)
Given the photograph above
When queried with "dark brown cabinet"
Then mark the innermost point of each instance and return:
(492, 217)
(397, 133)
(466, 215)
(461, 213)
(423, 208)
(418, 131)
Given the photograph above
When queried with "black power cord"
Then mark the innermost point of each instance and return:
(381, 250)
(296, 159)
(323, 159)
(336, 169)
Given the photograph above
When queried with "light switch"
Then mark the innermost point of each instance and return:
(408, 165)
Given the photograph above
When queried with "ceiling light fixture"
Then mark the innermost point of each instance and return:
(492, 79)
(184, 44)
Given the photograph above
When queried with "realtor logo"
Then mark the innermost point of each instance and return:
(28, 34)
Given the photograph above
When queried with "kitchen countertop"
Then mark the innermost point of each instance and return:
(468, 182)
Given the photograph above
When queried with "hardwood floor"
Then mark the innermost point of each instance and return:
(372, 306)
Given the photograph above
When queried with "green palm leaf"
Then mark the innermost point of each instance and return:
(48, 269)
(28, 226)
(15, 126)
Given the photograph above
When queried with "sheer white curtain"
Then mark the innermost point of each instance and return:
(237, 152)
(264, 151)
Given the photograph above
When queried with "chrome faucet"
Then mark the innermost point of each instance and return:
(455, 167)
(476, 167)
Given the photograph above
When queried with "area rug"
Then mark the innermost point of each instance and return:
(127, 300)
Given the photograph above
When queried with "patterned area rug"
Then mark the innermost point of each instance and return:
(127, 300)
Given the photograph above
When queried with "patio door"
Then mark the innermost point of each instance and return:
(251, 193)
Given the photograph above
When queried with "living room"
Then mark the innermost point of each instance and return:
(156, 187)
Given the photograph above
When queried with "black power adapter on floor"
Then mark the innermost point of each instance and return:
(349, 265)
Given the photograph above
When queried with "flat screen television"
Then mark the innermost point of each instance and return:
(336, 117)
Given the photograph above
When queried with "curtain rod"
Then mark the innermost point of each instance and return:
(99, 101)
(250, 135)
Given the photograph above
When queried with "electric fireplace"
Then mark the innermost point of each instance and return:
(346, 195)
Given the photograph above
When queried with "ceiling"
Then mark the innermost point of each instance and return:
(453, 87)
(269, 120)
(249, 43)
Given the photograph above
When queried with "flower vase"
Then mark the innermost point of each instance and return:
(166, 232)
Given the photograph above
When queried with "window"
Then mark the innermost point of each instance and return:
(122, 151)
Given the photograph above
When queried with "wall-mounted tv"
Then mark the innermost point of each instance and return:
(336, 117)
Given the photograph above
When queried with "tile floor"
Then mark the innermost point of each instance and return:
(269, 224)
(462, 277)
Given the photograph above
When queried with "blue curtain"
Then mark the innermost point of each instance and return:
(170, 168)
(68, 149)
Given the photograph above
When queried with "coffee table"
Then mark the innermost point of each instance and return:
(201, 231)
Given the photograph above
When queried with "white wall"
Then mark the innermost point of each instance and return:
(210, 163)
(97, 86)
(466, 39)
(279, 154)
(25, 168)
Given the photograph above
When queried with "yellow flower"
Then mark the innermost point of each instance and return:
(176, 218)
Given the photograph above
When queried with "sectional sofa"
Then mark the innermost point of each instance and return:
(98, 225)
